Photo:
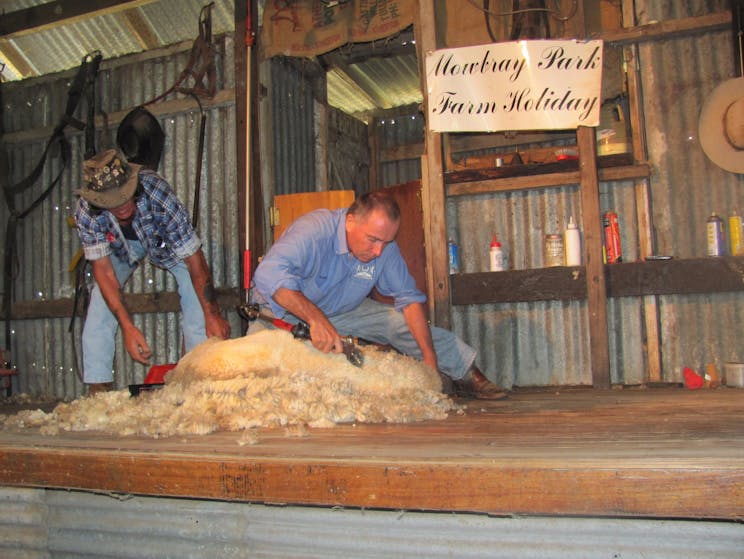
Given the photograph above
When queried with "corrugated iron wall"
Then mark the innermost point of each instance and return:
(293, 132)
(301, 148)
(43, 350)
(395, 132)
(348, 153)
(547, 342)
(521, 344)
(678, 76)
(52, 523)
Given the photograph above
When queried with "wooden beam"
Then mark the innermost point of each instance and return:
(580, 488)
(402, 45)
(58, 12)
(139, 303)
(163, 108)
(16, 62)
(548, 180)
(670, 29)
(627, 279)
(595, 278)
(519, 286)
(432, 184)
(676, 277)
(139, 27)
(643, 194)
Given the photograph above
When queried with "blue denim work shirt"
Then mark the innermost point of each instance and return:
(161, 223)
(312, 256)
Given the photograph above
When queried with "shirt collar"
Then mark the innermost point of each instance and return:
(342, 246)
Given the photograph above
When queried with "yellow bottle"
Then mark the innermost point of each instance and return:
(735, 234)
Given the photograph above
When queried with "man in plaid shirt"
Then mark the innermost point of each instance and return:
(126, 213)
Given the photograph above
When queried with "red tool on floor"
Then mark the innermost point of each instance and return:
(154, 380)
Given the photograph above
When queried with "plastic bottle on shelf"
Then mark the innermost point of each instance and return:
(735, 234)
(453, 256)
(572, 243)
(496, 255)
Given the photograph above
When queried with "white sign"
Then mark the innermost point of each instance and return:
(522, 85)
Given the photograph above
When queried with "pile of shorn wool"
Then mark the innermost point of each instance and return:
(266, 379)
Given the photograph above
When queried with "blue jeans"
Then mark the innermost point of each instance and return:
(99, 332)
(380, 323)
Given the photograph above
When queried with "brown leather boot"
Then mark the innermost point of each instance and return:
(476, 385)
(96, 387)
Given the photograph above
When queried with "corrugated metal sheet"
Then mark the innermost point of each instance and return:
(50, 523)
(678, 76)
(297, 139)
(542, 343)
(348, 157)
(396, 131)
(44, 350)
(59, 48)
(293, 133)
(547, 343)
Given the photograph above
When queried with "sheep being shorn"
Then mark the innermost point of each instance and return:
(266, 379)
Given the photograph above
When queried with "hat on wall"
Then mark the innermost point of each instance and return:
(721, 126)
(140, 138)
(109, 180)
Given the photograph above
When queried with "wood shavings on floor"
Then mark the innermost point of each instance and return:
(266, 379)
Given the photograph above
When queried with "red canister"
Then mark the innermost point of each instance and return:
(613, 252)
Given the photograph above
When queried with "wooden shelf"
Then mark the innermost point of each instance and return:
(630, 279)
(547, 175)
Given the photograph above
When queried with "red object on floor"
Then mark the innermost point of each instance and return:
(693, 381)
(156, 374)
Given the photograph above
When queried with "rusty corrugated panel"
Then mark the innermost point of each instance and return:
(44, 351)
(542, 343)
(678, 76)
(525, 344)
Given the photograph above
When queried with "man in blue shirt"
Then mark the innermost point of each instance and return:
(323, 269)
(126, 212)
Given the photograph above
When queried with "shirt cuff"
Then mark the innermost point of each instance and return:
(188, 248)
(96, 252)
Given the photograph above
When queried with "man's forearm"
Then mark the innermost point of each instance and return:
(416, 320)
(201, 278)
(103, 273)
(297, 304)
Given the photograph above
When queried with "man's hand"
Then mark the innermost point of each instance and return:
(415, 317)
(323, 334)
(216, 326)
(136, 345)
(134, 340)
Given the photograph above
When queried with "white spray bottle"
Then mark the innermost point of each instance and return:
(496, 255)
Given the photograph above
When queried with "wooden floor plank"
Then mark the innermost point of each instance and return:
(659, 452)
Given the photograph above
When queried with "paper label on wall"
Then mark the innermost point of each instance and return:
(521, 85)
